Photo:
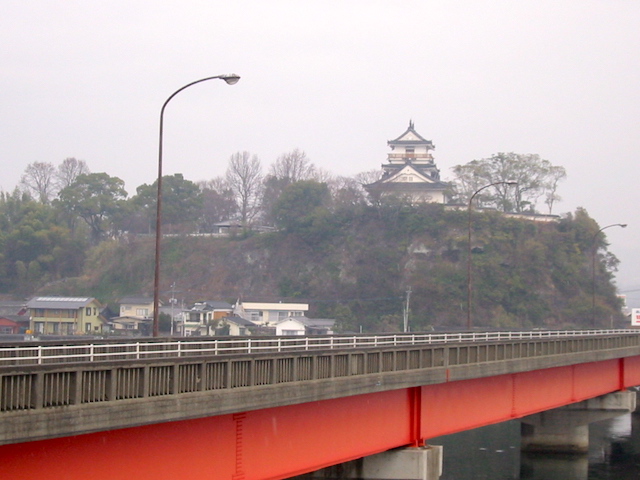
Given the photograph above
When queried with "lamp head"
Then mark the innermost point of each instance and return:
(512, 184)
(623, 225)
(230, 78)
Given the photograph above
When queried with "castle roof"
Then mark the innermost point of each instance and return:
(411, 137)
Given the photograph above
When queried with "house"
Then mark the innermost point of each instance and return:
(65, 315)
(234, 325)
(269, 314)
(13, 316)
(203, 317)
(136, 306)
(305, 326)
(131, 326)
(8, 326)
(410, 172)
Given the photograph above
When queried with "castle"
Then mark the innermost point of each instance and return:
(410, 172)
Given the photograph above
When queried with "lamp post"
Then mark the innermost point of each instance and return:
(230, 79)
(469, 323)
(594, 248)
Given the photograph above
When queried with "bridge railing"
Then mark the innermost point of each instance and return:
(154, 349)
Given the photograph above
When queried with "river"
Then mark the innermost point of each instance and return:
(493, 452)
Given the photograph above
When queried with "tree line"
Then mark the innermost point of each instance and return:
(48, 222)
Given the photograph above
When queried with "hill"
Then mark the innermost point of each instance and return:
(356, 264)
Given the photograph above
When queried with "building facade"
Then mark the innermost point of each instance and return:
(269, 314)
(65, 315)
(410, 172)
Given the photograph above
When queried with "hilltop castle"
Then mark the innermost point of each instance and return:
(410, 171)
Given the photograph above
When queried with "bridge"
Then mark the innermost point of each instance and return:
(277, 407)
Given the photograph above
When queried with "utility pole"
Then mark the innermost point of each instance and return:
(406, 311)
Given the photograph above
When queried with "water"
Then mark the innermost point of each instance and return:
(493, 452)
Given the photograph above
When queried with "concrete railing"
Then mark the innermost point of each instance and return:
(74, 352)
(136, 375)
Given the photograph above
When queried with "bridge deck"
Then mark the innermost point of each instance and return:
(89, 388)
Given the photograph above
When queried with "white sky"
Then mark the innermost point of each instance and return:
(337, 79)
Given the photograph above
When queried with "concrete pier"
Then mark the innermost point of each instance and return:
(410, 463)
(566, 429)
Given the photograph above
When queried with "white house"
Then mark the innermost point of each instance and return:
(411, 172)
(269, 314)
(203, 317)
(304, 326)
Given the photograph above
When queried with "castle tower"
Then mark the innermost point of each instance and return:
(410, 171)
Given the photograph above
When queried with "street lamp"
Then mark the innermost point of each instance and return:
(230, 79)
(469, 245)
(594, 249)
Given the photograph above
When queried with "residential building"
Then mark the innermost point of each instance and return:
(410, 172)
(136, 306)
(234, 325)
(305, 326)
(203, 317)
(8, 326)
(131, 326)
(14, 317)
(65, 315)
(269, 314)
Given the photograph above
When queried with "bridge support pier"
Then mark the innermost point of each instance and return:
(566, 429)
(410, 463)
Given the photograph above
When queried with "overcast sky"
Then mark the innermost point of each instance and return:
(337, 79)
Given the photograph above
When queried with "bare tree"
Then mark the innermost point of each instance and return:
(218, 203)
(294, 166)
(370, 176)
(69, 170)
(555, 175)
(244, 177)
(38, 180)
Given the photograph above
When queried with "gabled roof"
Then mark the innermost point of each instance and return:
(12, 307)
(409, 169)
(426, 181)
(311, 322)
(238, 321)
(67, 303)
(410, 136)
(137, 299)
(211, 305)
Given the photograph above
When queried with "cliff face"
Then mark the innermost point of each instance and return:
(357, 265)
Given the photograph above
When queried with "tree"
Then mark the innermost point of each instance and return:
(34, 247)
(181, 200)
(96, 198)
(69, 170)
(555, 175)
(302, 206)
(366, 178)
(218, 203)
(38, 180)
(294, 166)
(244, 177)
(536, 177)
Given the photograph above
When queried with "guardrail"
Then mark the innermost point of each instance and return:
(154, 349)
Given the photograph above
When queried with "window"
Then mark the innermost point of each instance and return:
(142, 312)
(87, 311)
(87, 327)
